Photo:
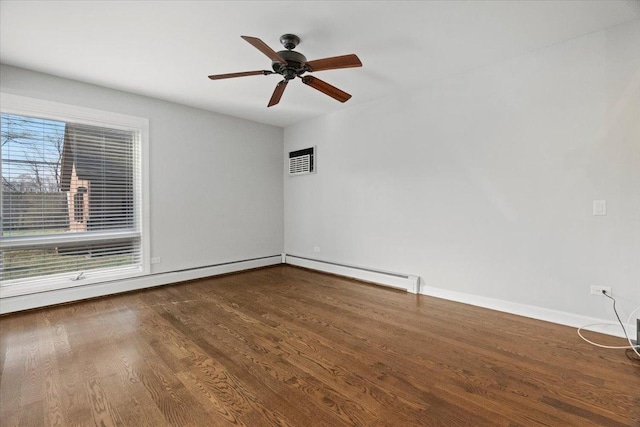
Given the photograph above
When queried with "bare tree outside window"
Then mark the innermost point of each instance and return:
(31, 171)
(41, 143)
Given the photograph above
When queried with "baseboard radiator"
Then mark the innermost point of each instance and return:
(80, 292)
(406, 282)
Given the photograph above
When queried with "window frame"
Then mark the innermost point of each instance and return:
(32, 107)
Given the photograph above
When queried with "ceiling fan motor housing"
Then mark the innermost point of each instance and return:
(295, 65)
(289, 41)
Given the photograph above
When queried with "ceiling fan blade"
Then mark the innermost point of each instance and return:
(243, 74)
(264, 48)
(326, 88)
(333, 63)
(277, 93)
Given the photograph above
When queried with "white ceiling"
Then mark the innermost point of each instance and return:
(166, 49)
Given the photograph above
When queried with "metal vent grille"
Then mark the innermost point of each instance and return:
(302, 162)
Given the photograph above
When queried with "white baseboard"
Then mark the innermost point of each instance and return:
(412, 284)
(43, 299)
(406, 282)
(409, 283)
(568, 319)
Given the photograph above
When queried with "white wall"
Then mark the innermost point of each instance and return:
(215, 181)
(483, 183)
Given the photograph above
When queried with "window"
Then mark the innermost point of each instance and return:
(79, 204)
(72, 196)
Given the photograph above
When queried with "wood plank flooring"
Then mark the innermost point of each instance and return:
(284, 346)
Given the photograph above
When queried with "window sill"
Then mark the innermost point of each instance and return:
(19, 287)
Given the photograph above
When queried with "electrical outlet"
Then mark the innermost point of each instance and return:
(597, 290)
(155, 260)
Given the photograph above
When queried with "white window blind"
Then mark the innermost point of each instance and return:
(71, 201)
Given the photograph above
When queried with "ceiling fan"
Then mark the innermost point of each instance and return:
(290, 64)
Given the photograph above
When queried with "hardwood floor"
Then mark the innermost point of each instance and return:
(291, 347)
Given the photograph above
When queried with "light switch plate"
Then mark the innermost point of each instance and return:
(599, 207)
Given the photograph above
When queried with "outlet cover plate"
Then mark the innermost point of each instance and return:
(597, 290)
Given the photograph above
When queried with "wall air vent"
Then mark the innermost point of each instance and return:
(302, 162)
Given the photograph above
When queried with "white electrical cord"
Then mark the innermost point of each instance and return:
(630, 346)
(615, 347)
